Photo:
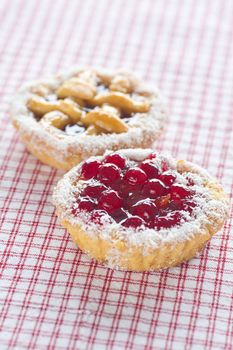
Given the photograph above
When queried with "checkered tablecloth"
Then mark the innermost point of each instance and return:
(52, 296)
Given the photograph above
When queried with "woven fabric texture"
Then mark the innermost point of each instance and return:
(52, 296)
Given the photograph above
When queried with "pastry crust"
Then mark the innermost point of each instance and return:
(65, 151)
(149, 249)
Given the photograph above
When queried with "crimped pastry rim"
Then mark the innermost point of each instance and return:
(38, 140)
(196, 238)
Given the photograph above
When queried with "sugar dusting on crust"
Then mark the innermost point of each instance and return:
(144, 128)
(210, 210)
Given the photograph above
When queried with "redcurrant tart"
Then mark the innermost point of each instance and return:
(137, 210)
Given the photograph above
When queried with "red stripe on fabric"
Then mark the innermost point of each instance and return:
(51, 294)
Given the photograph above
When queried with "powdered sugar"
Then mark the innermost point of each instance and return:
(208, 210)
(144, 128)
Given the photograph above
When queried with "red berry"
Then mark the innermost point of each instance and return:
(179, 191)
(110, 201)
(135, 177)
(154, 188)
(168, 221)
(124, 189)
(93, 190)
(187, 205)
(154, 223)
(108, 173)
(145, 210)
(175, 205)
(133, 198)
(152, 156)
(167, 178)
(89, 169)
(190, 182)
(150, 169)
(116, 159)
(99, 216)
(164, 166)
(133, 221)
(86, 204)
(74, 211)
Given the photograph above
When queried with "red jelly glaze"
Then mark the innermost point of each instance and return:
(119, 215)
(175, 204)
(125, 190)
(116, 159)
(144, 195)
(133, 198)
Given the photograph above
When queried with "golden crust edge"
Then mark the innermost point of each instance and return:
(135, 258)
(118, 254)
(43, 150)
(75, 156)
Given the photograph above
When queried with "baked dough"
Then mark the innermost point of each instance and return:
(144, 248)
(72, 116)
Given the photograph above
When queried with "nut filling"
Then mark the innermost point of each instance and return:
(87, 103)
(80, 113)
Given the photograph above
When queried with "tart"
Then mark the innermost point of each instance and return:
(72, 116)
(138, 210)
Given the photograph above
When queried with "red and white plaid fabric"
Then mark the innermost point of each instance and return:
(52, 296)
